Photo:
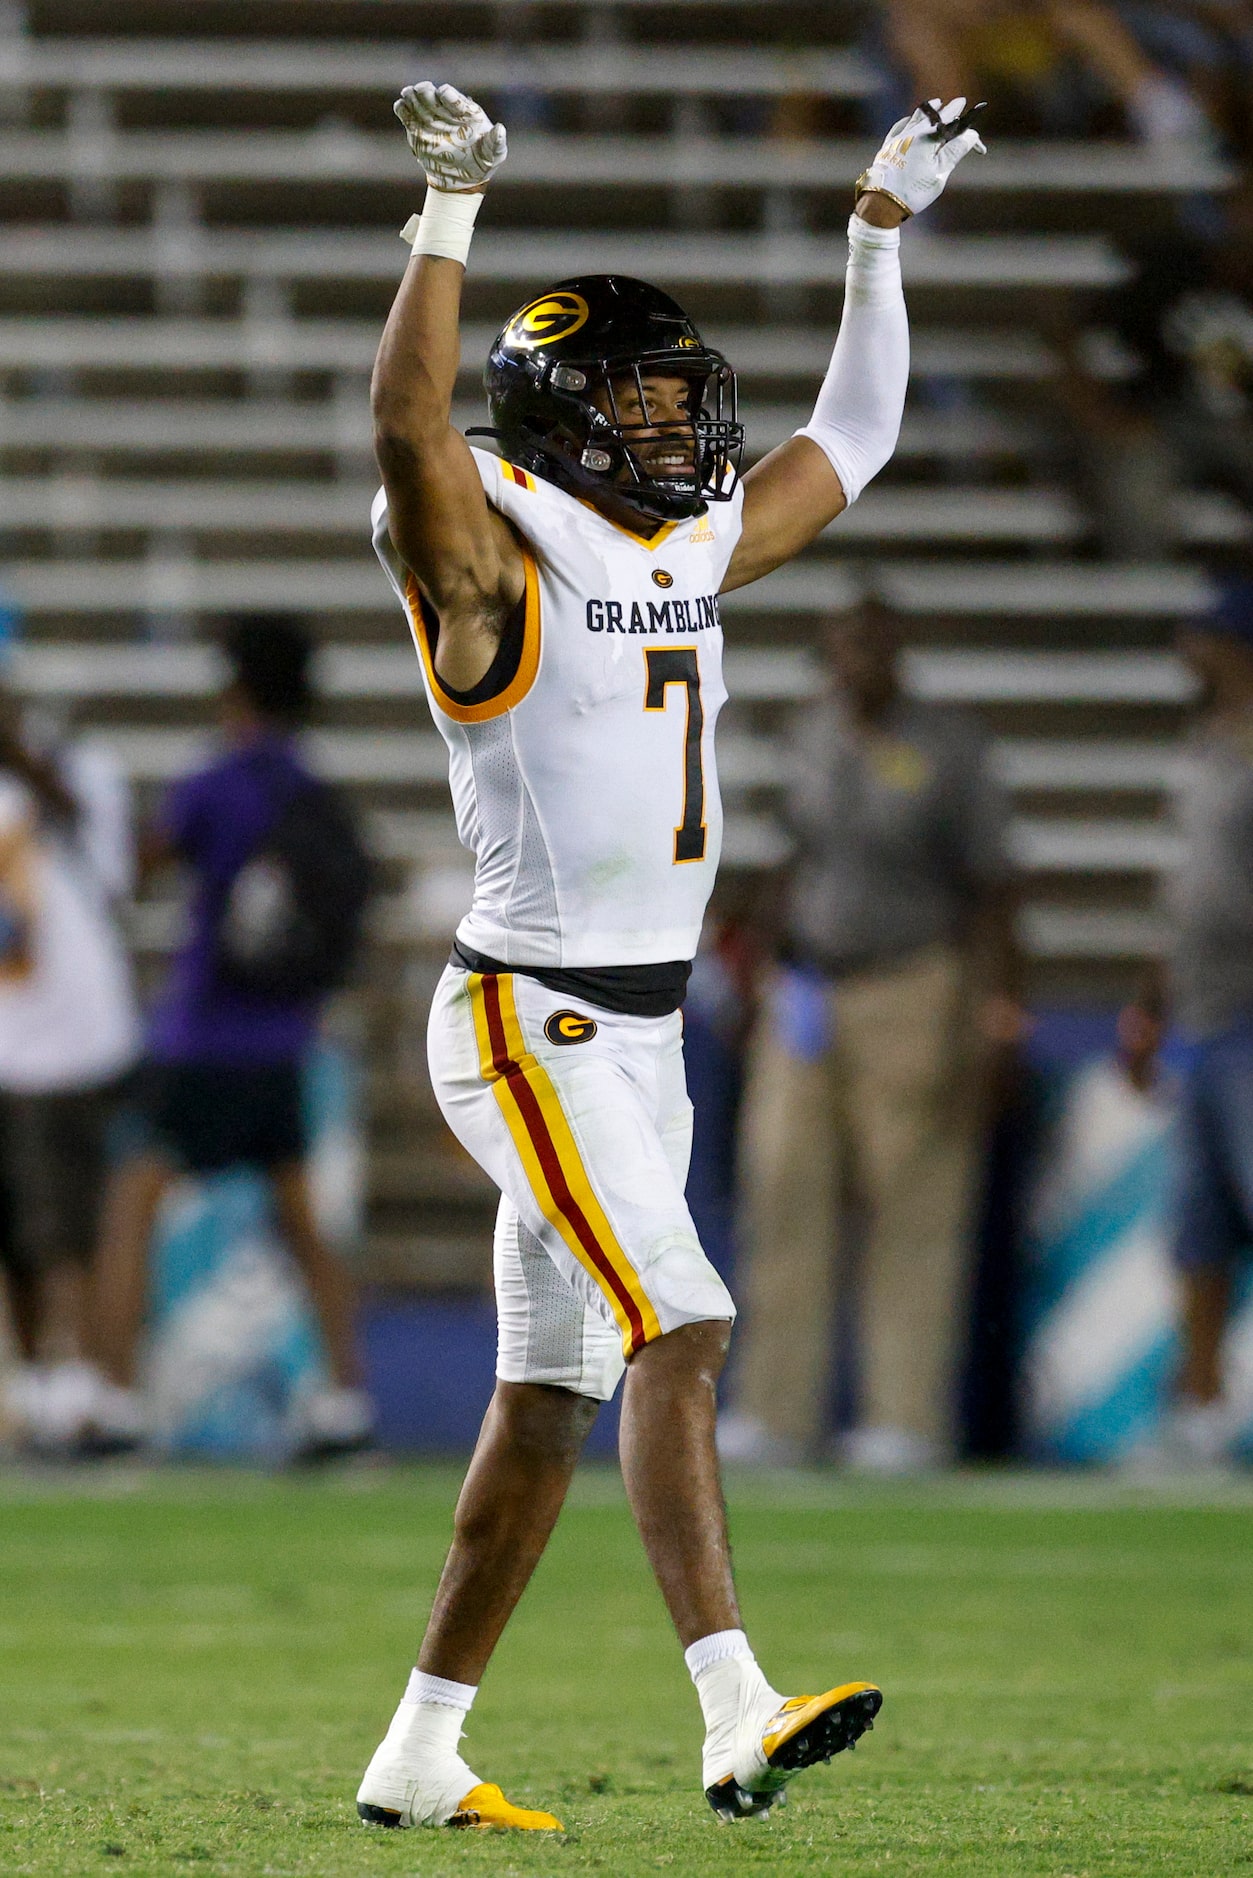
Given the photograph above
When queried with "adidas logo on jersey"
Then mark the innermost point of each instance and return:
(670, 616)
(703, 533)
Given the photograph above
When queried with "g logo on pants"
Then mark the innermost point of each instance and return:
(569, 1027)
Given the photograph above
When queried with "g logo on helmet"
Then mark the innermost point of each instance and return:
(569, 1027)
(553, 316)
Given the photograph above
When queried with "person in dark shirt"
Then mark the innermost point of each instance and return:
(898, 968)
(222, 1085)
(1181, 415)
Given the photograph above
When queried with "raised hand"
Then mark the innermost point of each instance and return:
(920, 154)
(453, 139)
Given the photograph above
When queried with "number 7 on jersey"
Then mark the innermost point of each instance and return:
(677, 665)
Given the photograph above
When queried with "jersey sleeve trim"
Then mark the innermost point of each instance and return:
(521, 680)
(523, 478)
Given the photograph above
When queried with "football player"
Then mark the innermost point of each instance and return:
(563, 596)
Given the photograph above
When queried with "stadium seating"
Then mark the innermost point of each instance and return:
(122, 68)
(341, 154)
(197, 249)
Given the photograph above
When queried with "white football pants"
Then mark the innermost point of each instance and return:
(582, 1118)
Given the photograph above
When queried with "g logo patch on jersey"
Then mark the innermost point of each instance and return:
(554, 316)
(569, 1027)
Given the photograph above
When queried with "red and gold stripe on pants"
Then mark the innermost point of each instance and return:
(550, 1156)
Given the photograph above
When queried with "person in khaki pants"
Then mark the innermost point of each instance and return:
(869, 1067)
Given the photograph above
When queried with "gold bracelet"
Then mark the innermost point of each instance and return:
(864, 187)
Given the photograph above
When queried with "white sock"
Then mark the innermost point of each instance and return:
(437, 1689)
(719, 1646)
(729, 1683)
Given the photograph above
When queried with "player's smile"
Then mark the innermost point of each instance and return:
(659, 449)
(664, 458)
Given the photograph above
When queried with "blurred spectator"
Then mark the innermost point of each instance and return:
(1209, 45)
(68, 1033)
(898, 968)
(1054, 59)
(717, 1019)
(1092, 1308)
(1210, 905)
(1185, 414)
(231, 1031)
(1171, 404)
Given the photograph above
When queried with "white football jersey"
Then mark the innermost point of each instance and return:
(587, 790)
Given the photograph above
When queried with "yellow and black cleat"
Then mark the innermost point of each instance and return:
(806, 1729)
(484, 1809)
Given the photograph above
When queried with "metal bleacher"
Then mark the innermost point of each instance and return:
(197, 251)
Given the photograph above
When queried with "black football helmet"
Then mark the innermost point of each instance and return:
(589, 335)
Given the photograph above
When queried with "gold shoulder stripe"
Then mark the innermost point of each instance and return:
(528, 664)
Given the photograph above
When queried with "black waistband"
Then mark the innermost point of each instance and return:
(632, 990)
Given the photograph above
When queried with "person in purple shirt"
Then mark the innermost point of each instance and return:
(222, 1084)
(214, 820)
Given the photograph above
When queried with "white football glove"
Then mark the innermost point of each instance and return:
(453, 139)
(920, 154)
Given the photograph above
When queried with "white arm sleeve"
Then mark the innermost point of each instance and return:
(857, 418)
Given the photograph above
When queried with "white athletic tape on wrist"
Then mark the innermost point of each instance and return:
(446, 224)
(866, 235)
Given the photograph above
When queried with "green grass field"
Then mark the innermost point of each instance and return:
(194, 1668)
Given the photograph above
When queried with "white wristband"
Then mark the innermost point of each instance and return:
(445, 225)
(869, 235)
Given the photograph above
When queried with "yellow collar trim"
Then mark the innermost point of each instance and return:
(663, 531)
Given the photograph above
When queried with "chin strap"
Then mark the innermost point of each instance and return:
(626, 496)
